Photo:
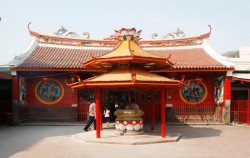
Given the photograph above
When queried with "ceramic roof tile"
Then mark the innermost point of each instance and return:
(66, 58)
(189, 58)
(53, 57)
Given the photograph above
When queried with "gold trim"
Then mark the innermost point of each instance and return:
(45, 102)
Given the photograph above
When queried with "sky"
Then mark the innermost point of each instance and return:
(230, 20)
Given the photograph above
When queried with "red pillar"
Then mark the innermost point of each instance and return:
(248, 108)
(15, 101)
(98, 116)
(152, 110)
(227, 98)
(163, 113)
(15, 88)
(227, 88)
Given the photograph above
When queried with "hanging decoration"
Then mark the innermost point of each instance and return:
(22, 91)
(219, 90)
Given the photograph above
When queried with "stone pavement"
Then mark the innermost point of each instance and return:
(108, 136)
(67, 142)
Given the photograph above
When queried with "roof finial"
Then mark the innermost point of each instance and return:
(207, 35)
(29, 26)
(128, 34)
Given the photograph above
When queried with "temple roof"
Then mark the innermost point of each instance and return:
(126, 77)
(46, 57)
(63, 54)
(191, 58)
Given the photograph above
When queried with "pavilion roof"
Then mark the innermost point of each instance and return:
(129, 48)
(128, 51)
(126, 77)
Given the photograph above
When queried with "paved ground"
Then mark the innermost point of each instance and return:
(63, 142)
(110, 137)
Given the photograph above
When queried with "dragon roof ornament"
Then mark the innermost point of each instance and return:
(73, 39)
(197, 40)
(70, 38)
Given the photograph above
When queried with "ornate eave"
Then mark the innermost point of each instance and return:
(57, 69)
(126, 77)
(146, 63)
(195, 69)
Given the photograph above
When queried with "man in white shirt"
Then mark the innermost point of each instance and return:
(92, 114)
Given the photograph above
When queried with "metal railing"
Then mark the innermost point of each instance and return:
(43, 114)
(240, 111)
(203, 113)
(180, 112)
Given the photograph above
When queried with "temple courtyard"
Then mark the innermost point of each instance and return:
(69, 141)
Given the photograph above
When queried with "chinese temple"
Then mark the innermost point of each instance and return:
(175, 79)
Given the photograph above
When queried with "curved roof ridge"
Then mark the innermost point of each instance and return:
(174, 48)
(18, 60)
(202, 36)
(73, 47)
(195, 40)
(211, 52)
(50, 39)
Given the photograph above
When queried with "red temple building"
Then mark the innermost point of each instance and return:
(177, 80)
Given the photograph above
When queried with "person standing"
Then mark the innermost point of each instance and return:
(132, 105)
(92, 115)
(116, 105)
(106, 114)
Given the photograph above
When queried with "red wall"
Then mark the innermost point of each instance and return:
(227, 89)
(208, 79)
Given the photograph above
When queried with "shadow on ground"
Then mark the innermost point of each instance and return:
(14, 139)
(187, 131)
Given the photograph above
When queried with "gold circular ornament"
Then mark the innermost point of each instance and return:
(49, 92)
(193, 92)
